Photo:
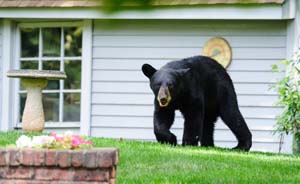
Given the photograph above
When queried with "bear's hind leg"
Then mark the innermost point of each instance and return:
(232, 117)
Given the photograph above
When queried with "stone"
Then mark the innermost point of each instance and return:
(34, 81)
(50, 158)
(46, 166)
(27, 159)
(91, 175)
(77, 158)
(63, 159)
(3, 157)
(90, 159)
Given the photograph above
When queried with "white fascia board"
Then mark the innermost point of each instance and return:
(236, 12)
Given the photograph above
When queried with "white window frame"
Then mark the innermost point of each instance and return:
(10, 103)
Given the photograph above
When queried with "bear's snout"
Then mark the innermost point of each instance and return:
(163, 96)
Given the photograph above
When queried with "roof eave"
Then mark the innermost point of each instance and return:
(230, 12)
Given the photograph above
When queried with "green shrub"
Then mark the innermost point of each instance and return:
(288, 88)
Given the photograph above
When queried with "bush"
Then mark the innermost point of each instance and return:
(288, 88)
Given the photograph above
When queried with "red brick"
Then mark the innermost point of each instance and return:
(34, 182)
(38, 157)
(112, 181)
(63, 158)
(14, 157)
(26, 157)
(54, 174)
(91, 175)
(113, 172)
(23, 182)
(90, 159)
(3, 157)
(77, 158)
(50, 159)
(105, 158)
(116, 157)
(16, 173)
(2, 181)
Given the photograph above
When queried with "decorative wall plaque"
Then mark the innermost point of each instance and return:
(219, 49)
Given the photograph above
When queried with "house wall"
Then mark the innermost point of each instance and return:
(1, 61)
(122, 103)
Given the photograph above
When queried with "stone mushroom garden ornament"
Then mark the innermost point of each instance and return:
(34, 81)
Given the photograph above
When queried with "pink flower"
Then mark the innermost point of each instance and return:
(57, 137)
(55, 141)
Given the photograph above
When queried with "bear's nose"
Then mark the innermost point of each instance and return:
(163, 96)
(163, 100)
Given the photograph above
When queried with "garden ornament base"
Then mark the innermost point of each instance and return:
(46, 166)
(34, 81)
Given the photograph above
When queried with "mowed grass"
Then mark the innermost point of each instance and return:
(144, 162)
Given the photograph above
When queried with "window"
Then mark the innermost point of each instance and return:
(53, 46)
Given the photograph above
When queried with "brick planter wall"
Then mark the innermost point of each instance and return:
(43, 166)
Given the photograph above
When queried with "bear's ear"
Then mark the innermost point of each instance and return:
(148, 70)
(182, 72)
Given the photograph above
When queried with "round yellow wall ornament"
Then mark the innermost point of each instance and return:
(219, 49)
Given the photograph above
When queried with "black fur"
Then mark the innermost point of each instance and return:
(202, 90)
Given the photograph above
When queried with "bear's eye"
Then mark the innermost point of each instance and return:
(170, 85)
(155, 87)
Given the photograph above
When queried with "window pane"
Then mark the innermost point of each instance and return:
(51, 41)
(22, 104)
(33, 65)
(71, 107)
(73, 72)
(29, 65)
(73, 40)
(29, 42)
(52, 65)
(51, 106)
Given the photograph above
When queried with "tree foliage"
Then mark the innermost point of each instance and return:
(112, 6)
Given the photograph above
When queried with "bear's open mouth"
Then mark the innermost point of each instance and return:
(164, 102)
(163, 96)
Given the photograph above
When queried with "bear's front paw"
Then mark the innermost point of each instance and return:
(169, 139)
(190, 141)
(173, 140)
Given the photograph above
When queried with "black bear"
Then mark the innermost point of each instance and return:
(202, 90)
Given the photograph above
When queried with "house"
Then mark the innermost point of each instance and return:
(106, 94)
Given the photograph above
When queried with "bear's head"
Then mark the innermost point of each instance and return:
(166, 83)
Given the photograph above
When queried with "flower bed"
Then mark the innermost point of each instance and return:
(46, 166)
(68, 140)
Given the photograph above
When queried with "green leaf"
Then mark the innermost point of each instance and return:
(274, 68)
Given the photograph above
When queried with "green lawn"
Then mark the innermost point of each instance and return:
(155, 163)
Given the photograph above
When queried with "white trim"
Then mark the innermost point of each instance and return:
(49, 24)
(16, 82)
(56, 125)
(51, 58)
(40, 58)
(259, 11)
(61, 82)
(86, 75)
(40, 51)
(57, 91)
(289, 9)
(7, 85)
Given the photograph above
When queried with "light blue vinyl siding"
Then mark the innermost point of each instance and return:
(122, 103)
